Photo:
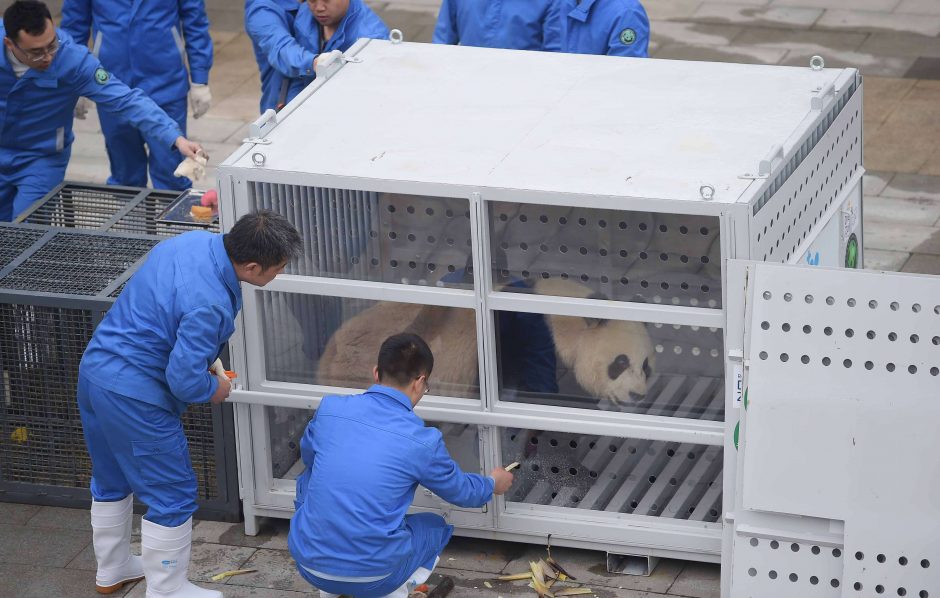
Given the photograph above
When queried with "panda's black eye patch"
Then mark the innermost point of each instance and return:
(617, 366)
(647, 370)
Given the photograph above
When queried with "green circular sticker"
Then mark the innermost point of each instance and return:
(101, 76)
(628, 36)
(851, 252)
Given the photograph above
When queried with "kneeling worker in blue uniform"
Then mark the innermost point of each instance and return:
(148, 360)
(41, 78)
(365, 456)
(333, 25)
(601, 27)
(509, 24)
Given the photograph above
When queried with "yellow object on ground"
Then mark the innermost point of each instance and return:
(227, 574)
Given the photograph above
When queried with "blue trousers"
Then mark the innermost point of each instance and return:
(130, 159)
(431, 535)
(23, 180)
(137, 447)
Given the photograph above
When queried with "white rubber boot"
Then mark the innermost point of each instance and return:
(165, 553)
(111, 538)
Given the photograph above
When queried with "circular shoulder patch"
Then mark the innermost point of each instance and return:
(102, 76)
(627, 36)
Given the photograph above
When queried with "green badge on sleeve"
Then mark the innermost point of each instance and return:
(101, 76)
(628, 36)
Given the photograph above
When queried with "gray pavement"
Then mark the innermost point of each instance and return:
(896, 44)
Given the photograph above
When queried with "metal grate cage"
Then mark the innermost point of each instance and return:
(109, 208)
(54, 291)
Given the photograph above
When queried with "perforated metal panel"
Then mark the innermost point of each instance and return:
(838, 431)
(796, 201)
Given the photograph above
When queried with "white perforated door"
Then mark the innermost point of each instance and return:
(838, 472)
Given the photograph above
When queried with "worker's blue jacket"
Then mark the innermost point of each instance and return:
(146, 43)
(168, 325)
(365, 456)
(359, 22)
(36, 110)
(603, 27)
(511, 24)
(270, 25)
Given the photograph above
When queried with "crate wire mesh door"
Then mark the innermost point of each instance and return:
(54, 290)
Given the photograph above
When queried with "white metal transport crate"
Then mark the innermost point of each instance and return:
(558, 227)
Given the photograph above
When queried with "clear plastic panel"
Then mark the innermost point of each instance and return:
(612, 365)
(616, 475)
(379, 237)
(333, 341)
(286, 427)
(672, 259)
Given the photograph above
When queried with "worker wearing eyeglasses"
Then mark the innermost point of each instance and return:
(148, 45)
(41, 78)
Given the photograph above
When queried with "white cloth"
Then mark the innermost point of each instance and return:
(81, 108)
(193, 169)
(200, 99)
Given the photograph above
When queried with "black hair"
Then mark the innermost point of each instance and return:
(263, 237)
(403, 358)
(30, 16)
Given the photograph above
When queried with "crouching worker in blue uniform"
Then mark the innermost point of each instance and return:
(333, 25)
(148, 360)
(365, 456)
(601, 27)
(509, 24)
(41, 78)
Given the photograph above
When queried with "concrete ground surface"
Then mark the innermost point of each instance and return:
(46, 551)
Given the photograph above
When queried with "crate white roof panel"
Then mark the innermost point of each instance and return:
(544, 122)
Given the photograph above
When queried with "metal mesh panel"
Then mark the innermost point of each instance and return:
(77, 264)
(81, 206)
(142, 219)
(14, 241)
(41, 439)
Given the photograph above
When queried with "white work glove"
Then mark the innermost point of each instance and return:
(218, 369)
(323, 61)
(200, 99)
(193, 168)
(81, 108)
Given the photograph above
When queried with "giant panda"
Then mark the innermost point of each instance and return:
(612, 360)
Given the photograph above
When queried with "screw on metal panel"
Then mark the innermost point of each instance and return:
(396, 36)
(707, 192)
(258, 159)
(817, 63)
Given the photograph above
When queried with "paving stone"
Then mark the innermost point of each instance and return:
(590, 568)
(61, 583)
(61, 518)
(276, 569)
(875, 181)
(273, 534)
(209, 559)
(409, 22)
(37, 546)
(227, 20)
(472, 554)
(910, 210)
(901, 44)
(887, 261)
(880, 5)
(899, 147)
(471, 584)
(737, 14)
(913, 186)
(698, 580)
(664, 10)
(17, 514)
(923, 264)
(863, 20)
(920, 7)
(694, 34)
(932, 165)
(800, 41)
(897, 237)
(924, 68)
(212, 130)
(231, 591)
(738, 54)
(883, 66)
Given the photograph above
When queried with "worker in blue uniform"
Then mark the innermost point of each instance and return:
(146, 44)
(365, 456)
(510, 24)
(602, 27)
(147, 361)
(280, 57)
(331, 25)
(41, 79)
